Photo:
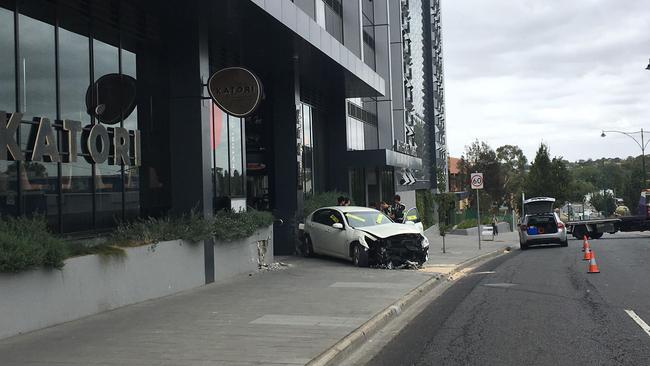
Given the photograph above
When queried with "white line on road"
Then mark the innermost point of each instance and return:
(639, 321)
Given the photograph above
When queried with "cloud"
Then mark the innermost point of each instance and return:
(523, 72)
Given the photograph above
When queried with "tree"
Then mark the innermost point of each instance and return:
(479, 157)
(604, 202)
(446, 204)
(537, 182)
(550, 178)
(513, 167)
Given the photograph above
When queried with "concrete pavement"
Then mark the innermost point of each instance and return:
(283, 317)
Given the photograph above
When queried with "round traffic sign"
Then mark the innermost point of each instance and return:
(477, 180)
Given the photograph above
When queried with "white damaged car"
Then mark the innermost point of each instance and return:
(363, 235)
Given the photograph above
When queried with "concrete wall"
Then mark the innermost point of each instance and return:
(92, 284)
(241, 256)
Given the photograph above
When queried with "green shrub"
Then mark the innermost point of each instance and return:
(26, 243)
(192, 227)
(78, 249)
(229, 225)
(323, 199)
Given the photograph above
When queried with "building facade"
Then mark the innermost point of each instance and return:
(108, 116)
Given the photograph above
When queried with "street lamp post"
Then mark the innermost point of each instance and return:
(643, 144)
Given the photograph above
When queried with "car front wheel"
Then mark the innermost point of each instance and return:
(359, 256)
(308, 248)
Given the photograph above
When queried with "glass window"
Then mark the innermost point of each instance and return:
(8, 176)
(219, 131)
(308, 149)
(38, 180)
(236, 159)
(387, 185)
(76, 177)
(227, 145)
(108, 178)
(131, 172)
(358, 186)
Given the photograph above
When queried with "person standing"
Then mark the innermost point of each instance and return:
(397, 209)
(495, 227)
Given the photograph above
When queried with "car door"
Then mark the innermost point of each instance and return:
(412, 215)
(331, 238)
(318, 230)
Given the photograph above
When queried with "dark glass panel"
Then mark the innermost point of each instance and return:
(38, 181)
(76, 177)
(8, 181)
(108, 178)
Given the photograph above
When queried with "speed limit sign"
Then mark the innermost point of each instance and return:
(477, 181)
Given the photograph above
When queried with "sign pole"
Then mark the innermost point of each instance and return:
(478, 218)
(476, 180)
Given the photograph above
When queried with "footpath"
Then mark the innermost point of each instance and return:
(309, 309)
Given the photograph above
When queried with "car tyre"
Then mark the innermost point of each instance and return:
(596, 235)
(308, 248)
(359, 256)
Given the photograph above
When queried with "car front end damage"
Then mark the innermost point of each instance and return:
(397, 250)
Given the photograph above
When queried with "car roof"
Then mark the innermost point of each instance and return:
(345, 209)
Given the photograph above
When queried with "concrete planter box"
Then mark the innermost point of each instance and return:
(92, 284)
(503, 227)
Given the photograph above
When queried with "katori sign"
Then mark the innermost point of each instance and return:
(477, 181)
(236, 90)
(115, 145)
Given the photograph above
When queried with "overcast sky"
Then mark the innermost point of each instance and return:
(528, 71)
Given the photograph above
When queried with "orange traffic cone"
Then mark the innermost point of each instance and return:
(593, 267)
(585, 243)
(587, 255)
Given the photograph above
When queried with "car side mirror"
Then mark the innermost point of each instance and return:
(409, 223)
(338, 225)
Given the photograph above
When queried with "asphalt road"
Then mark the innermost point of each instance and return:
(539, 307)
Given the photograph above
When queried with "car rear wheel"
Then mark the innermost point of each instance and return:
(596, 235)
(308, 248)
(359, 256)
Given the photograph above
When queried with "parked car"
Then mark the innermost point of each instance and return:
(541, 225)
(364, 236)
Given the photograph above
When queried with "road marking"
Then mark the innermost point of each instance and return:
(639, 321)
(372, 285)
(484, 272)
(501, 285)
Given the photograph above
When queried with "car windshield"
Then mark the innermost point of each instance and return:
(366, 218)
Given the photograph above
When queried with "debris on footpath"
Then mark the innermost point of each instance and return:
(277, 266)
(406, 265)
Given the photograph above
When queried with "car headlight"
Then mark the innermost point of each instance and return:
(425, 242)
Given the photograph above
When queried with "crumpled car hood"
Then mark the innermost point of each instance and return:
(388, 230)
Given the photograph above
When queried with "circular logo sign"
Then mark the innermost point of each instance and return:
(237, 91)
(477, 180)
(111, 98)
